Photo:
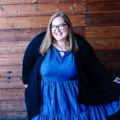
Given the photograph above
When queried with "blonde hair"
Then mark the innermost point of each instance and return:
(47, 41)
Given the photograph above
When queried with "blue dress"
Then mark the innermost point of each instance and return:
(59, 88)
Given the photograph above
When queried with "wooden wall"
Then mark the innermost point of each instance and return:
(21, 20)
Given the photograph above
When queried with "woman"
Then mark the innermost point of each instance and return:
(65, 79)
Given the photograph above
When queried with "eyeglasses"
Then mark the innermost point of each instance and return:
(60, 27)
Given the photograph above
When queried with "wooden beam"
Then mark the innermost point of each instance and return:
(108, 55)
(4, 2)
(14, 55)
(102, 7)
(8, 71)
(103, 32)
(12, 106)
(11, 61)
(102, 20)
(11, 94)
(19, 35)
(105, 44)
(12, 50)
(41, 9)
(13, 115)
(36, 22)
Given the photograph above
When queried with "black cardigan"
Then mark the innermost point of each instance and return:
(96, 84)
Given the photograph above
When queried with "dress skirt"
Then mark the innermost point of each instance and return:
(59, 89)
(60, 103)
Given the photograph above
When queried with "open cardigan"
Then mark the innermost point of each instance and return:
(96, 84)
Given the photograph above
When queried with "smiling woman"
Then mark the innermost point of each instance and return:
(65, 78)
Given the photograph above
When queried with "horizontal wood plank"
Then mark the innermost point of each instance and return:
(36, 22)
(102, 7)
(10, 79)
(105, 44)
(112, 67)
(108, 55)
(11, 61)
(12, 50)
(4, 2)
(103, 32)
(40, 9)
(102, 20)
(8, 71)
(8, 55)
(13, 115)
(11, 94)
(19, 34)
(100, 0)
(14, 44)
(28, 34)
(12, 106)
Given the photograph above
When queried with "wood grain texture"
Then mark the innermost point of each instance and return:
(9, 55)
(102, 7)
(41, 9)
(19, 35)
(13, 115)
(112, 67)
(103, 32)
(108, 55)
(11, 61)
(5, 2)
(12, 106)
(12, 50)
(8, 71)
(102, 20)
(104, 44)
(36, 22)
(11, 94)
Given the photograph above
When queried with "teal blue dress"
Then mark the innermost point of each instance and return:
(59, 89)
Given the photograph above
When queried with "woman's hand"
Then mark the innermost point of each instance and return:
(117, 80)
(26, 86)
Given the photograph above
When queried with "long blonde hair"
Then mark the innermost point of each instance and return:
(47, 41)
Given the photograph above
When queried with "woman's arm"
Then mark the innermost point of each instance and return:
(30, 56)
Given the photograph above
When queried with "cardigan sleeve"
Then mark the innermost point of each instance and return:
(30, 56)
(95, 66)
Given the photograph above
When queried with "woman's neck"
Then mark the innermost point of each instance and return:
(61, 45)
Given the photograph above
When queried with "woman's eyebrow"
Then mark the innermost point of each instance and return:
(59, 24)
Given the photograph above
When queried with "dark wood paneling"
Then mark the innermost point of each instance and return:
(102, 19)
(100, 0)
(108, 55)
(11, 94)
(103, 32)
(104, 44)
(13, 115)
(80, 30)
(102, 7)
(36, 22)
(112, 67)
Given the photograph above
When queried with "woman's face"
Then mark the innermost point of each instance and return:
(60, 32)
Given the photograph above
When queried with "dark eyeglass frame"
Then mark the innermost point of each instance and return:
(58, 27)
